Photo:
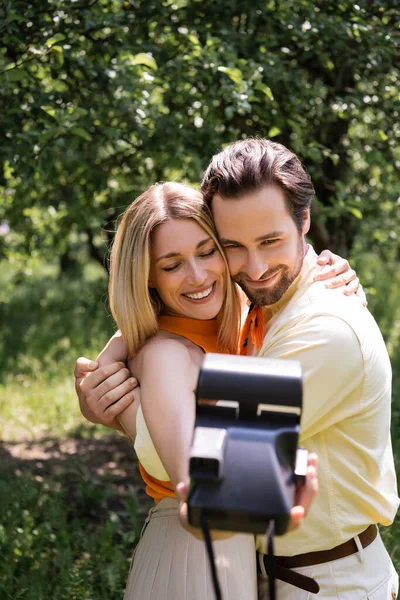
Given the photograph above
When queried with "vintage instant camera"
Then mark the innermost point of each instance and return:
(243, 454)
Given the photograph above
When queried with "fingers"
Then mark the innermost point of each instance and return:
(106, 392)
(312, 460)
(112, 389)
(325, 258)
(340, 267)
(84, 365)
(361, 294)
(343, 279)
(117, 408)
(182, 491)
(352, 287)
(310, 489)
(296, 517)
(114, 402)
(101, 374)
(306, 494)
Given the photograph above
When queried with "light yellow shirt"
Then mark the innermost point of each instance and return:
(346, 409)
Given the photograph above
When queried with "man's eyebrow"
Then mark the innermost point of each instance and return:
(267, 236)
(174, 254)
(270, 236)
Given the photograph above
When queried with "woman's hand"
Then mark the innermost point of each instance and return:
(305, 494)
(304, 498)
(339, 273)
(182, 490)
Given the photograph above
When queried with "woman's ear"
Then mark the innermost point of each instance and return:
(150, 284)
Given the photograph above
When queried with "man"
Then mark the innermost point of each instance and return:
(260, 197)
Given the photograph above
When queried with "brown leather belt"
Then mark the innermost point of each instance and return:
(284, 564)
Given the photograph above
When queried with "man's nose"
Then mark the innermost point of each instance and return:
(256, 266)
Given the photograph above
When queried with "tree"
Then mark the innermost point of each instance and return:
(102, 98)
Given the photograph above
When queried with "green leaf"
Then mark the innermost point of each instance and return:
(59, 37)
(7, 170)
(355, 211)
(15, 74)
(144, 59)
(59, 54)
(273, 132)
(234, 74)
(194, 39)
(382, 135)
(50, 110)
(265, 89)
(82, 133)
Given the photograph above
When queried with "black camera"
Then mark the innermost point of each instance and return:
(243, 454)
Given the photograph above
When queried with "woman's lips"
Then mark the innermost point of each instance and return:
(210, 289)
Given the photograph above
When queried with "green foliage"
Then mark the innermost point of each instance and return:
(101, 98)
(70, 518)
(47, 321)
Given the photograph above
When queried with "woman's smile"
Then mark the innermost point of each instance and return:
(187, 270)
(202, 295)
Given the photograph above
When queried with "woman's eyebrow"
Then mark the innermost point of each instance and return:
(174, 254)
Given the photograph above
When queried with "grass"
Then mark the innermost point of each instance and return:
(71, 500)
(70, 516)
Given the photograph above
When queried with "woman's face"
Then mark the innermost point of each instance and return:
(187, 270)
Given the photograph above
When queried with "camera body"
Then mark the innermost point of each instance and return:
(243, 454)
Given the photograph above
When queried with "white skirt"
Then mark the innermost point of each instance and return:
(170, 564)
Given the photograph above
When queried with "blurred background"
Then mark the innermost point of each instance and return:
(99, 99)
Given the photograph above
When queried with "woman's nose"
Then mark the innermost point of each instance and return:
(196, 274)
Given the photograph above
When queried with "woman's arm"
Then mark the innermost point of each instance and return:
(114, 351)
(105, 386)
(168, 373)
(337, 272)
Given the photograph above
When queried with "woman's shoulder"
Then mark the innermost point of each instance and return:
(169, 350)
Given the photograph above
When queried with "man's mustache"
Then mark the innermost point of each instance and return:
(242, 276)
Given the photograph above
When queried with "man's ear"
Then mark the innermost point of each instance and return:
(305, 228)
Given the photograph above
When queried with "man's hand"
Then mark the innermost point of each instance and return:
(103, 392)
(304, 497)
(339, 273)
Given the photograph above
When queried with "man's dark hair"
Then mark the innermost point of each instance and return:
(248, 165)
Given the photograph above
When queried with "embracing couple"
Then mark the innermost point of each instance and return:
(173, 299)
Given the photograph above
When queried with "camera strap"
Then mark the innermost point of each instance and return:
(210, 553)
(270, 561)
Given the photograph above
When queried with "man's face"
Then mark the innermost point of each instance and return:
(263, 246)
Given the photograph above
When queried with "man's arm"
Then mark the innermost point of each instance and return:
(105, 386)
(332, 365)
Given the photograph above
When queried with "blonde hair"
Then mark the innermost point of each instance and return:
(134, 305)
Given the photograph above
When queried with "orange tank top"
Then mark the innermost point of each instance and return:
(205, 335)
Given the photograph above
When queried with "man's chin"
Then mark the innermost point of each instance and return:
(262, 297)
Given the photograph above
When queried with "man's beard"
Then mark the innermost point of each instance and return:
(271, 294)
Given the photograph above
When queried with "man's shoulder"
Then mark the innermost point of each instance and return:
(316, 300)
(323, 313)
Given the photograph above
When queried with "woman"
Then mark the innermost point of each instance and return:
(173, 300)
